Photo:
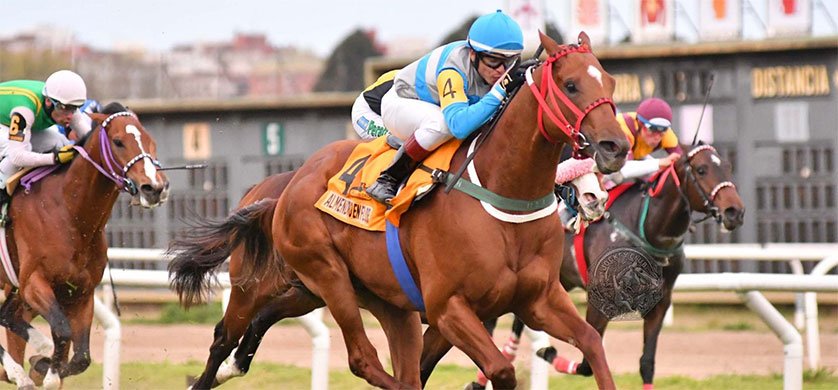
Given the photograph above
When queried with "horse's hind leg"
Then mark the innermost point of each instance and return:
(434, 347)
(553, 311)
(403, 330)
(295, 302)
(330, 279)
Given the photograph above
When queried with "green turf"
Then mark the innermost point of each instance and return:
(273, 376)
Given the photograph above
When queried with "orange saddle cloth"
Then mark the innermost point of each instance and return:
(345, 197)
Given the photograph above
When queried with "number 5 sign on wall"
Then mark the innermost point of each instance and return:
(196, 141)
(273, 139)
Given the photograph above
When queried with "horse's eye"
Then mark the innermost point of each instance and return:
(570, 87)
(118, 143)
(701, 171)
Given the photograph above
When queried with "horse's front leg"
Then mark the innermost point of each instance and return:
(553, 312)
(653, 322)
(599, 321)
(38, 293)
(458, 323)
(81, 318)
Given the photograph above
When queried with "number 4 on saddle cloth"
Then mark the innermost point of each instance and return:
(345, 197)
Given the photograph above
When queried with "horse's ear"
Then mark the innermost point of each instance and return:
(97, 119)
(584, 40)
(548, 43)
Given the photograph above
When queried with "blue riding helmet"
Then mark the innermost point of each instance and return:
(496, 33)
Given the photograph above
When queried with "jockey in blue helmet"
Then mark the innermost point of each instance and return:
(449, 92)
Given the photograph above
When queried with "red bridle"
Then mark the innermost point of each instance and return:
(547, 102)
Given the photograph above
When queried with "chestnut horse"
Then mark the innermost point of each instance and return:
(58, 248)
(347, 267)
(702, 182)
(250, 310)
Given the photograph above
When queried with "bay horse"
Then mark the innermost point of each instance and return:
(57, 245)
(251, 309)
(346, 267)
(700, 181)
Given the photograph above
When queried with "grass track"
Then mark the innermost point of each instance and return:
(273, 376)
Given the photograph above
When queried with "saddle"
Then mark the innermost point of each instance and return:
(346, 199)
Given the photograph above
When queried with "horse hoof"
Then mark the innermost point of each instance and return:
(474, 386)
(27, 387)
(34, 374)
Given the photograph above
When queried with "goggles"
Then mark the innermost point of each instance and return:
(64, 107)
(658, 125)
(495, 62)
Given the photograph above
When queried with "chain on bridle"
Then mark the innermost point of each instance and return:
(113, 172)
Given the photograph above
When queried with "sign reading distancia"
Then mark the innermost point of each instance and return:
(790, 81)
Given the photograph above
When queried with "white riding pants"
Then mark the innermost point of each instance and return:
(405, 117)
(365, 121)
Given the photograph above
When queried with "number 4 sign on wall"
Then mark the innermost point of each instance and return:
(273, 139)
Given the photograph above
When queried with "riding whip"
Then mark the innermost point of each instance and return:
(706, 97)
(192, 166)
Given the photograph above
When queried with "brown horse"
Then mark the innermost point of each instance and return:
(347, 267)
(58, 275)
(253, 308)
(702, 182)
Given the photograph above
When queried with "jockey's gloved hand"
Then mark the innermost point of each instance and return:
(519, 73)
(64, 155)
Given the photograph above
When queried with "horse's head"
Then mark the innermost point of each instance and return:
(575, 93)
(129, 154)
(707, 181)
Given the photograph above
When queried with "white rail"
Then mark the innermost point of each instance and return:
(746, 284)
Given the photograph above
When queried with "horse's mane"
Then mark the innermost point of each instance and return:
(111, 108)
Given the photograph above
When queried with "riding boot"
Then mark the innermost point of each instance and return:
(385, 187)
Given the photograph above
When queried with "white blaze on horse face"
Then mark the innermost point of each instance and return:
(150, 169)
(716, 160)
(595, 73)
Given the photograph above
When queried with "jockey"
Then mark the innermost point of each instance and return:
(449, 92)
(366, 111)
(648, 130)
(27, 109)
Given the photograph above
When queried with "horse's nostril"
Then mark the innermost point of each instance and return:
(589, 198)
(148, 189)
(733, 213)
(608, 147)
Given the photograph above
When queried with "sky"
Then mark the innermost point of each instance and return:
(316, 25)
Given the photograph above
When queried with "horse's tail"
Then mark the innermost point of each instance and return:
(196, 257)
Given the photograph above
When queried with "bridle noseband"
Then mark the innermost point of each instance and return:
(548, 103)
(118, 176)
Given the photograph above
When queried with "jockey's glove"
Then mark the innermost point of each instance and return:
(64, 155)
